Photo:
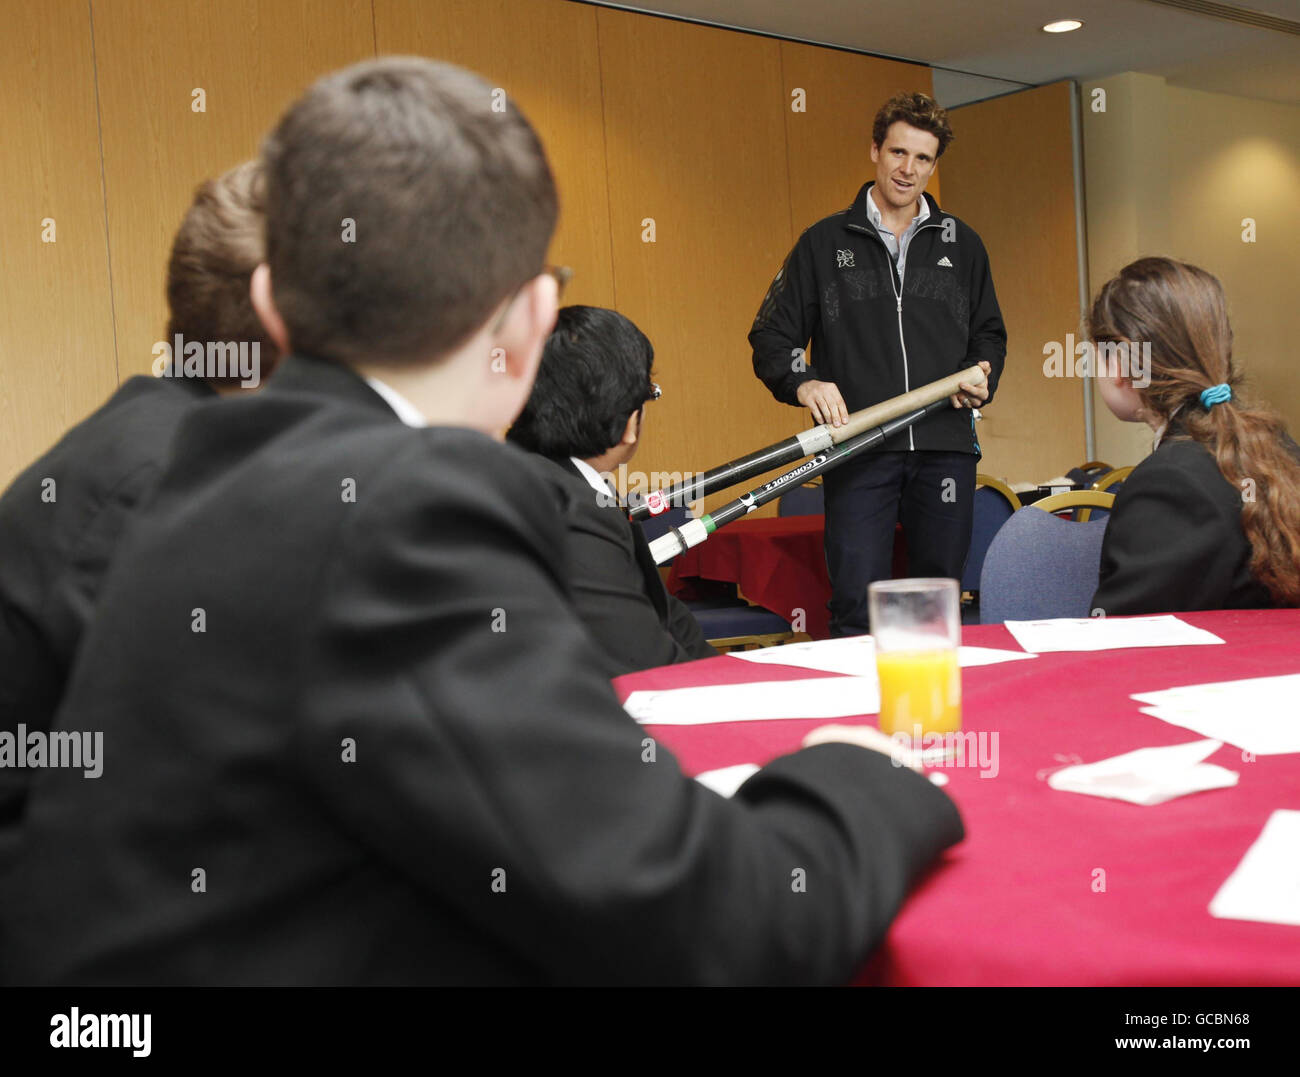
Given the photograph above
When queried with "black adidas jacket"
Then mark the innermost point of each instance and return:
(839, 288)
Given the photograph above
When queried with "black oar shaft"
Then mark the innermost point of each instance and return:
(719, 478)
(693, 532)
(818, 439)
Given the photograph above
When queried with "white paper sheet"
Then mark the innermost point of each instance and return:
(987, 656)
(820, 697)
(1148, 775)
(1266, 884)
(856, 655)
(1258, 714)
(1107, 633)
(726, 780)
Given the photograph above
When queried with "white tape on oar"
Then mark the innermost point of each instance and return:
(818, 439)
(669, 545)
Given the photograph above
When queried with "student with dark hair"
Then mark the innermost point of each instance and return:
(357, 734)
(584, 419)
(1211, 519)
(62, 518)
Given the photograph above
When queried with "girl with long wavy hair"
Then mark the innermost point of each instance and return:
(1211, 519)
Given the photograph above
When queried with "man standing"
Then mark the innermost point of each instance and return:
(893, 293)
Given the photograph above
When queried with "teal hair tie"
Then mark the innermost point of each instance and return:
(1215, 394)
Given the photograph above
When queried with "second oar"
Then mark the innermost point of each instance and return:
(693, 532)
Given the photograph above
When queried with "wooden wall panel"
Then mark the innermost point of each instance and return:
(56, 322)
(544, 54)
(695, 139)
(252, 58)
(642, 117)
(1009, 175)
(830, 142)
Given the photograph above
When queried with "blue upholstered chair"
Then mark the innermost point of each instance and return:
(807, 500)
(994, 504)
(1040, 565)
(739, 626)
(1111, 481)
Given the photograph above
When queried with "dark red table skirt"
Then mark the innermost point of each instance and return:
(777, 562)
(1015, 903)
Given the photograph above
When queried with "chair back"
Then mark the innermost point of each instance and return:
(807, 500)
(1112, 479)
(1087, 504)
(741, 627)
(994, 505)
(1040, 565)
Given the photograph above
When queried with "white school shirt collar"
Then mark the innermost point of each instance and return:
(406, 411)
(592, 476)
(1164, 427)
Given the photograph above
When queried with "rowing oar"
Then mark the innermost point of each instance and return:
(693, 532)
(818, 439)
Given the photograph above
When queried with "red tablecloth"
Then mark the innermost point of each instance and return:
(1015, 903)
(777, 562)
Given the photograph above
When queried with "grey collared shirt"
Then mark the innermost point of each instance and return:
(896, 249)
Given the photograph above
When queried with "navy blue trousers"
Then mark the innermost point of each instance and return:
(930, 493)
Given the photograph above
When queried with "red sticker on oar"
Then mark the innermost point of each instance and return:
(655, 503)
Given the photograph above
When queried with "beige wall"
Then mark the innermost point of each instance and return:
(1174, 171)
(57, 360)
(1034, 428)
(249, 58)
(643, 118)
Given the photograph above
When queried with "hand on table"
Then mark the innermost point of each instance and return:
(864, 736)
(972, 396)
(823, 399)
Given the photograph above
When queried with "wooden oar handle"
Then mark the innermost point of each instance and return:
(901, 405)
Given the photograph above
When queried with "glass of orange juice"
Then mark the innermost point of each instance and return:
(917, 629)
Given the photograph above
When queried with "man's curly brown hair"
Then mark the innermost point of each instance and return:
(917, 110)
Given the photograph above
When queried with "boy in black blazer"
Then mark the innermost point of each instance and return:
(352, 732)
(62, 519)
(583, 420)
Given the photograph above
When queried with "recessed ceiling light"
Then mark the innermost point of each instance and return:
(1064, 26)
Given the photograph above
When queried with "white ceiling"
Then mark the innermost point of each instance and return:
(984, 47)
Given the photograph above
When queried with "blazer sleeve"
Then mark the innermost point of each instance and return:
(785, 322)
(988, 333)
(1168, 546)
(608, 590)
(687, 632)
(497, 774)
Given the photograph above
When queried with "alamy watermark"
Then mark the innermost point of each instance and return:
(652, 488)
(121, 1030)
(181, 358)
(1127, 359)
(59, 748)
(961, 749)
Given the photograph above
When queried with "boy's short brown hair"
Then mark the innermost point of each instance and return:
(405, 200)
(917, 110)
(217, 247)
